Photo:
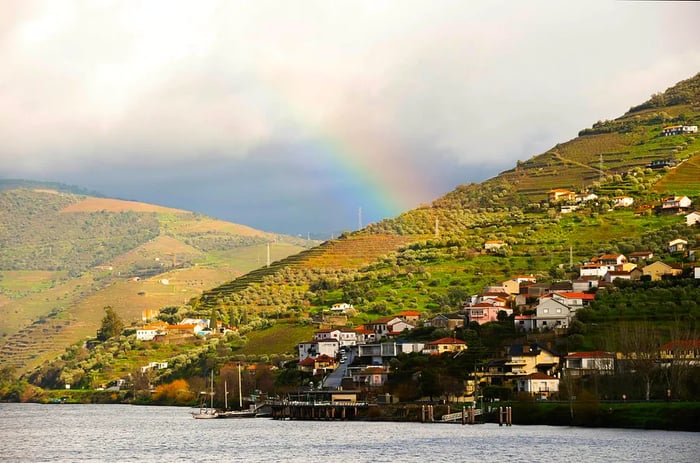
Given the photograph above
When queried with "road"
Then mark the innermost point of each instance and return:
(333, 380)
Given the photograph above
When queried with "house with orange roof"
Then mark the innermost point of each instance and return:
(365, 335)
(560, 194)
(409, 316)
(444, 345)
(588, 363)
(539, 385)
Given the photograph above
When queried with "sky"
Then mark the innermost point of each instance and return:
(314, 117)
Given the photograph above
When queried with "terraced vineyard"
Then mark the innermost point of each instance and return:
(684, 179)
(348, 253)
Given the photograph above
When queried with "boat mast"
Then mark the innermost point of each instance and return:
(240, 392)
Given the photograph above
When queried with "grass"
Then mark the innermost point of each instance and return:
(280, 338)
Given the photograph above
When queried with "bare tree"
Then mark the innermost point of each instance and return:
(639, 343)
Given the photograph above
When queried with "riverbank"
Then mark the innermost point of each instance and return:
(670, 416)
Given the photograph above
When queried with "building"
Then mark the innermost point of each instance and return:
(677, 245)
(313, 349)
(678, 130)
(485, 312)
(623, 201)
(657, 270)
(341, 307)
(676, 204)
(559, 194)
(588, 363)
(450, 321)
(692, 219)
(539, 385)
(444, 345)
(641, 255)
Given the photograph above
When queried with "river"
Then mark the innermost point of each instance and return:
(121, 433)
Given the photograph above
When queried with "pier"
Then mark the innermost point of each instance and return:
(316, 410)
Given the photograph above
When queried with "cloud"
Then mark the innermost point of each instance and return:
(412, 93)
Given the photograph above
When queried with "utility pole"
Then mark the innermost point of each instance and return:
(359, 218)
(437, 230)
(268, 255)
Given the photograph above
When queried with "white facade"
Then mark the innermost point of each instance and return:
(147, 334)
(539, 385)
(692, 219)
(313, 349)
(553, 314)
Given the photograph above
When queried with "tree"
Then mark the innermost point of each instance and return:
(112, 325)
(213, 321)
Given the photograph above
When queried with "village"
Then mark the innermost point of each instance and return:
(359, 358)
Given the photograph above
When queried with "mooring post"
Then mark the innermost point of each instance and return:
(464, 416)
(422, 414)
(500, 416)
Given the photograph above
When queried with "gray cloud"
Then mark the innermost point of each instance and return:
(271, 104)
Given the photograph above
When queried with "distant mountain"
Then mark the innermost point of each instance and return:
(65, 255)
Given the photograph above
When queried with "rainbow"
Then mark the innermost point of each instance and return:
(371, 167)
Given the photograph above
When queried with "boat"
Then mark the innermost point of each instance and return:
(205, 412)
(251, 413)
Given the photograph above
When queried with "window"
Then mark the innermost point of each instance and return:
(545, 310)
(558, 310)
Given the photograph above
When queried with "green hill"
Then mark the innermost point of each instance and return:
(65, 256)
(431, 258)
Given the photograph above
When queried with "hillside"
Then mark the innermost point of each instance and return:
(431, 258)
(65, 256)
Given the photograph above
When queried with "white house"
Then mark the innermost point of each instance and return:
(678, 130)
(676, 202)
(538, 384)
(586, 197)
(623, 201)
(385, 325)
(558, 309)
(697, 272)
(313, 349)
(148, 333)
(692, 219)
(677, 245)
(585, 363)
(341, 307)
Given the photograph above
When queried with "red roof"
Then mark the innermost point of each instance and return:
(584, 296)
(307, 362)
(446, 341)
(689, 344)
(409, 313)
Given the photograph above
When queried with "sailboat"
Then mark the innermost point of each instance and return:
(235, 413)
(204, 411)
